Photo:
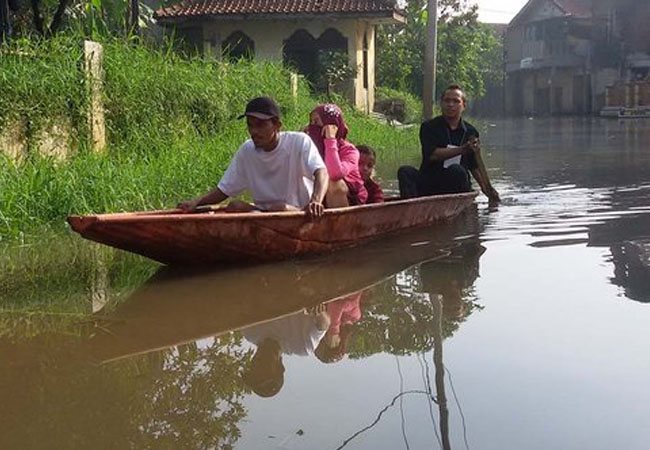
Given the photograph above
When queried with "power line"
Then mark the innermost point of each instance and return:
(460, 410)
(381, 413)
(401, 402)
(427, 383)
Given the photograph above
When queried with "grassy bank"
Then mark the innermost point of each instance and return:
(171, 129)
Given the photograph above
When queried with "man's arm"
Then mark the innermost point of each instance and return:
(481, 176)
(315, 206)
(433, 148)
(214, 196)
(443, 153)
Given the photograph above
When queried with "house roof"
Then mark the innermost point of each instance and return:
(577, 8)
(237, 9)
(574, 8)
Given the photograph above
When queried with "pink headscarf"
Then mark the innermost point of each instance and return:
(330, 114)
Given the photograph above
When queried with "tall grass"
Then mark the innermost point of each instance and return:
(156, 96)
(41, 82)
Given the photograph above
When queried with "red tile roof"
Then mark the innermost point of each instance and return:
(189, 9)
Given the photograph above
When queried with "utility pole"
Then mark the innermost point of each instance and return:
(5, 30)
(430, 50)
(135, 17)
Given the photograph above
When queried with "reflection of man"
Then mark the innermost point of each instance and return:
(450, 276)
(298, 334)
(450, 149)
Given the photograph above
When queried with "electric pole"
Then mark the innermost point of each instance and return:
(430, 50)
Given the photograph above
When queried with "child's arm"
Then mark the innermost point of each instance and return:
(340, 159)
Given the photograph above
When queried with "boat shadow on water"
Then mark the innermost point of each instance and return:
(180, 305)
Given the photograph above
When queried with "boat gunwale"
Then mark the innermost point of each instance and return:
(215, 215)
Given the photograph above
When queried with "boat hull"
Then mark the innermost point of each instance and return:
(174, 238)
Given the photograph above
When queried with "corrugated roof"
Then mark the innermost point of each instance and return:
(188, 9)
(578, 8)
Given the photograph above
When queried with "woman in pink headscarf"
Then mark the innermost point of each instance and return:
(328, 131)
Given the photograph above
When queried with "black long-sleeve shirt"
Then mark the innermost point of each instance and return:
(436, 133)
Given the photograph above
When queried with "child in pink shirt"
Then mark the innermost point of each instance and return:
(343, 313)
(328, 130)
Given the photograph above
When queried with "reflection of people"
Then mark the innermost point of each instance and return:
(281, 170)
(450, 148)
(632, 268)
(328, 130)
(297, 334)
(449, 277)
(342, 314)
(367, 161)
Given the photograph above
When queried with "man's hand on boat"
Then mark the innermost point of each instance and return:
(211, 198)
(188, 206)
(314, 209)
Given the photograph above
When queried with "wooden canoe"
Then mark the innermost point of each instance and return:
(174, 238)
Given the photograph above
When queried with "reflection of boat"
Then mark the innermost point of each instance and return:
(174, 238)
(177, 307)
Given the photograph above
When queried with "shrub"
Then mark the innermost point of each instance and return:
(398, 105)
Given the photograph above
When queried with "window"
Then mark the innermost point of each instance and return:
(238, 46)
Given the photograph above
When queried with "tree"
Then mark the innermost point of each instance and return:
(90, 18)
(464, 49)
(335, 69)
(56, 20)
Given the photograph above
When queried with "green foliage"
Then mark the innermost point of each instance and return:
(398, 315)
(184, 397)
(334, 68)
(41, 82)
(468, 53)
(154, 97)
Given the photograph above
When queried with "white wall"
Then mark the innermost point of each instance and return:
(269, 37)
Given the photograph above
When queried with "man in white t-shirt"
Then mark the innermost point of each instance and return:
(283, 171)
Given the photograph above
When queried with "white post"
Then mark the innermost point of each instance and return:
(294, 85)
(93, 55)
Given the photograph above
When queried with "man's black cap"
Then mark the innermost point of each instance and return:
(263, 108)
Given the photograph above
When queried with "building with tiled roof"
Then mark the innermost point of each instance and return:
(293, 31)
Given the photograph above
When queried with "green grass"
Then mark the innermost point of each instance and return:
(170, 123)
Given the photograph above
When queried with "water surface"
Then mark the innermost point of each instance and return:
(538, 310)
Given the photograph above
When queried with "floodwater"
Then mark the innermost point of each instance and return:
(523, 326)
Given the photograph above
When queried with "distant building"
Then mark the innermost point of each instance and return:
(568, 56)
(292, 31)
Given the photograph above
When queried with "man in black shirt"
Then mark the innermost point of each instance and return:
(450, 149)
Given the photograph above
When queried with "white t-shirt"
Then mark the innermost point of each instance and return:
(283, 175)
(296, 334)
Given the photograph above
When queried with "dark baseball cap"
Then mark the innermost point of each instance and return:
(263, 108)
